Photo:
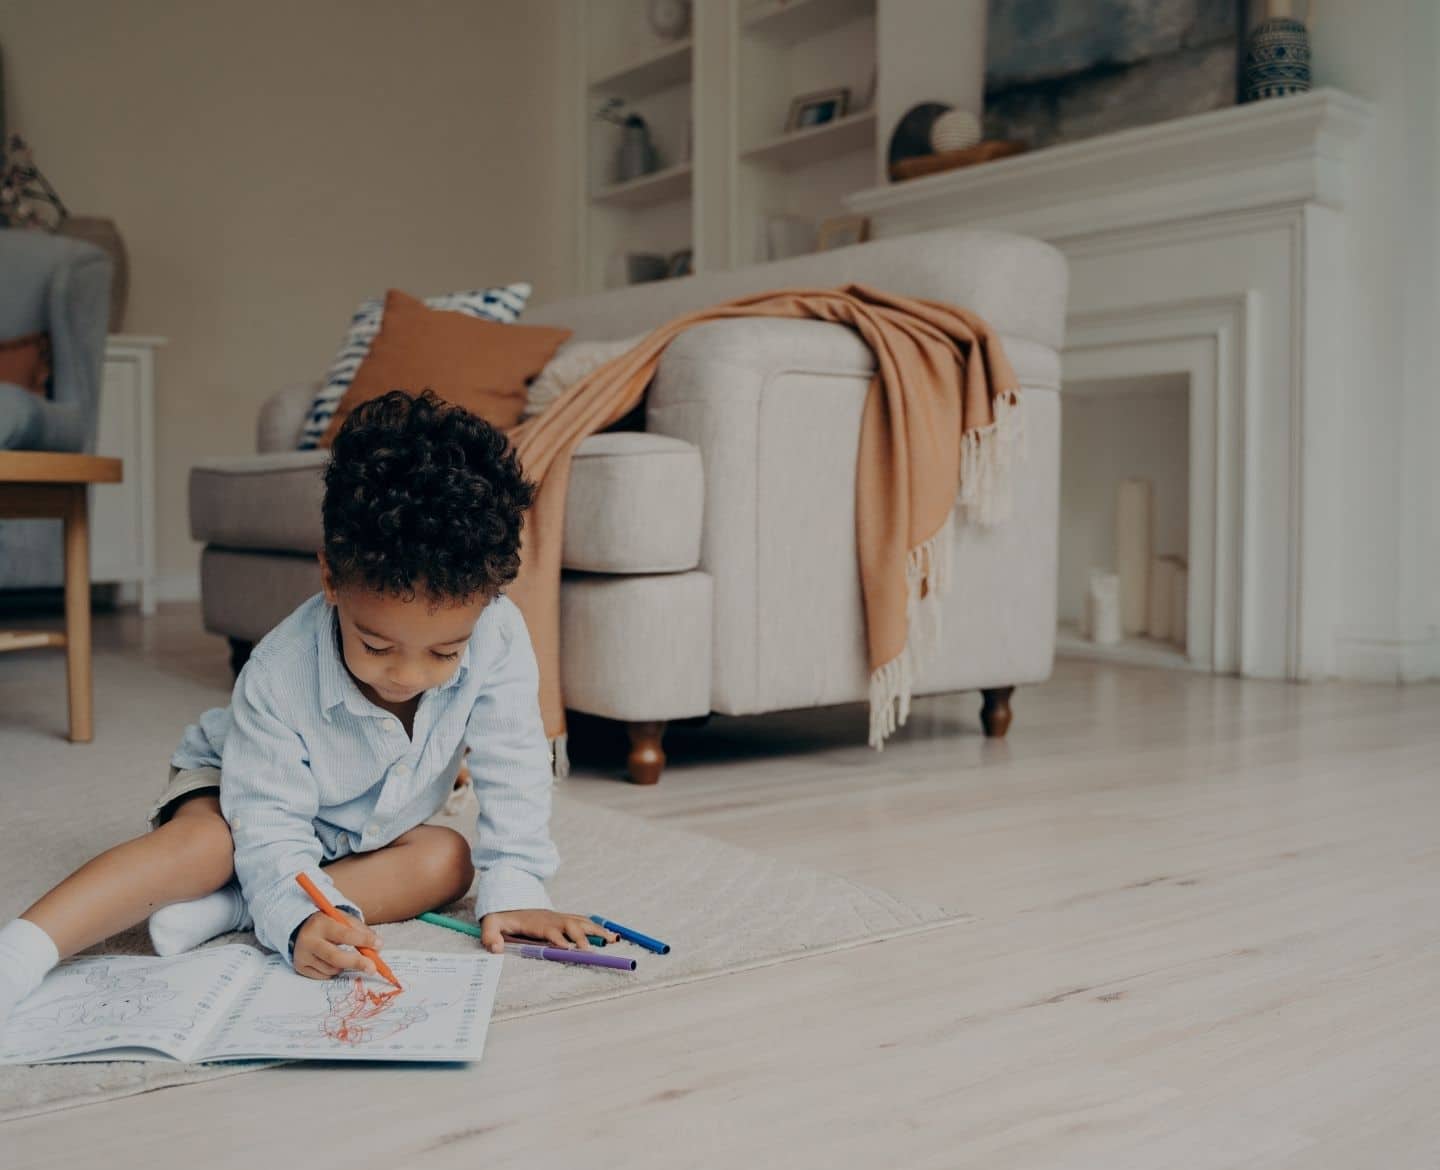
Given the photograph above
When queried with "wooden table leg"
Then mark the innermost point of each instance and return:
(77, 615)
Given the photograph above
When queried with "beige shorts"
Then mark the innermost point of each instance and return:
(183, 782)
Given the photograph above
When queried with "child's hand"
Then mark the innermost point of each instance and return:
(562, 930)
(322, 947)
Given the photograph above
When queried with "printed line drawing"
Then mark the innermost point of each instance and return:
(132, 997)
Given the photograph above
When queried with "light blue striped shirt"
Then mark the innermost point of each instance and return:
(311, 770)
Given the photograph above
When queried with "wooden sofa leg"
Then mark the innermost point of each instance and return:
(995, 711)
(647, 757)
(239, 655)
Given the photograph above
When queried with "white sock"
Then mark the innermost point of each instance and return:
(183, 926)
(27, 954)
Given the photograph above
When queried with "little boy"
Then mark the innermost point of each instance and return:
(345, 731)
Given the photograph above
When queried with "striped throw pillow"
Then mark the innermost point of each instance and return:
(502, 305)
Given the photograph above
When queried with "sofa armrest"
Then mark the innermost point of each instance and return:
(760, 345)
(774, 406)
(278, 428)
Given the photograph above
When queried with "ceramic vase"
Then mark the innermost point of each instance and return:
(637, 154)
(1277, 59)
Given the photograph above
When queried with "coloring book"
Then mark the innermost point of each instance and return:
(238, 1003)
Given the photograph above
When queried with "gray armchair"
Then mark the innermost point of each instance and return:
(61, 287)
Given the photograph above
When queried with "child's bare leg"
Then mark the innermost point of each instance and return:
(187, 857)
(427, 867)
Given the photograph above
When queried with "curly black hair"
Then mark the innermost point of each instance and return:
(420, 494)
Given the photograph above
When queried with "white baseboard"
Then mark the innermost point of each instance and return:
(1366, 658)
(183, 586)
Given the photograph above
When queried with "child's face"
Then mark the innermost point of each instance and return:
(397, 648)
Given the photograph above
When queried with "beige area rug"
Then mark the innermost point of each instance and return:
(722, 909)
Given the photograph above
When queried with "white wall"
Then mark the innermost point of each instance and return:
(271, 163)
(1388, 52)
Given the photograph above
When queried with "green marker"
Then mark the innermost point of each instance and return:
(473, 930)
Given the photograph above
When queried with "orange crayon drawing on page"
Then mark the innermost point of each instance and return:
(354, 1015)
(348, 1021)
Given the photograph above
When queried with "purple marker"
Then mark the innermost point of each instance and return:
(559, 955)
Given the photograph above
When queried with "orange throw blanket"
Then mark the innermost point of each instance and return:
(936, 434)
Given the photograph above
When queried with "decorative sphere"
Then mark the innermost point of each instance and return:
(956, 130)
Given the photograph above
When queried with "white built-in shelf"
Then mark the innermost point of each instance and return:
(659, 187)
(1071, 643)
(788, 22)
(800, 148)
(663, 69)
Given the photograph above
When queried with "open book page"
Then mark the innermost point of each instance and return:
(123, 1007)
(443, 1012)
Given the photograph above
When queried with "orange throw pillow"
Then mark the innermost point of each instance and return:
(25, 362)
(477, 364)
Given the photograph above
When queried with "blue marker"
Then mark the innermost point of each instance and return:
(644, 940)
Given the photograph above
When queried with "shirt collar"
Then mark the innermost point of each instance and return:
(336, 684)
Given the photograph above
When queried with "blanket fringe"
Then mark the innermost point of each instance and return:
(560, 756)
(986, 458)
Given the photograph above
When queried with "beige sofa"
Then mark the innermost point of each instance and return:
(710, 560)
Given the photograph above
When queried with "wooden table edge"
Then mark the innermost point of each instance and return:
(57, 467)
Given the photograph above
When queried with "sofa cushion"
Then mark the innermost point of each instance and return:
(269, 502)
(25, 362)
(634, 503)
(502, 305)
(473, 363)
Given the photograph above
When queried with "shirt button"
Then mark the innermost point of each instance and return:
(392, 725)
(402, 770)
(372, 829)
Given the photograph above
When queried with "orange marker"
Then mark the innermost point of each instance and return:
(323, 903)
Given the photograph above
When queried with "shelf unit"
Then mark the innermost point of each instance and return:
(662, 69)
(782, 50)
(717, 105)
(801, 148)
(622, 58)
(790, 22)
(657, 187)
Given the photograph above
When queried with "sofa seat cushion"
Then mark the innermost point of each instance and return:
(266, 502)
(634, 503)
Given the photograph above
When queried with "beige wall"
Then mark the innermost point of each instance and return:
(272, 162)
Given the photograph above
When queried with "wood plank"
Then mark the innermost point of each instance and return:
(949, 160)
(55, 467)
(29, 639)
(1206, 940)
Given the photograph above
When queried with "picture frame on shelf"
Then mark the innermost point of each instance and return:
(681, 263)
(840, 231)
(817, 109)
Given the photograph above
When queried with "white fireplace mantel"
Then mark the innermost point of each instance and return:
(1283, 152)
(1213, 247)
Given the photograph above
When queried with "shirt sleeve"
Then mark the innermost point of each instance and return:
(270, 797)
(510, 768)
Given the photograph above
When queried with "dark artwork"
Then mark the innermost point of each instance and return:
(1059, 70)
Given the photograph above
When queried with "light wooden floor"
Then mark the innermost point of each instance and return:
(1208, 936)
